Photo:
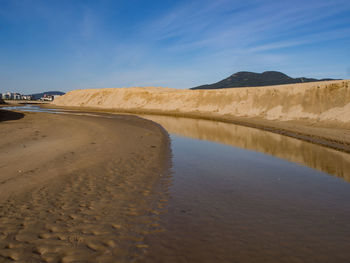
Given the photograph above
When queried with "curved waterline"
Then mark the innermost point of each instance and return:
(324, 159)
(315, 156)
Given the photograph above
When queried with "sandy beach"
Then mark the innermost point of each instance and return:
(83, 186)
(79, 188)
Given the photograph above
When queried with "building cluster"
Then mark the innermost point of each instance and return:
(18, 96)
(15, 96)
(48, 97)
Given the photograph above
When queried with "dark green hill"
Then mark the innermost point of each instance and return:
(251, 79)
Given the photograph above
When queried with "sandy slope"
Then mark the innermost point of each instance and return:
(318, 101)
(79, 188)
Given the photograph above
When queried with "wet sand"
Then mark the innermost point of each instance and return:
(79, 188)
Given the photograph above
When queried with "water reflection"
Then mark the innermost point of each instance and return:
(318, 157)
(32, 108)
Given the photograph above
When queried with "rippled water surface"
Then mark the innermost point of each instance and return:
(239, 194)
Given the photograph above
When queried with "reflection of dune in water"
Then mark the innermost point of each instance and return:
(315, 156)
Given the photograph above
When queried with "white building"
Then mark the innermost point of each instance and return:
(7, 96)
(16, 96)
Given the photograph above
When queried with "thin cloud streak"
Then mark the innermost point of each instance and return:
(255, 24)
(235, 36)
(176, 44)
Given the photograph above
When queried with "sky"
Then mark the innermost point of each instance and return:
(79, 44)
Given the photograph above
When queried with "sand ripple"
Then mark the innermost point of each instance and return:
(101, 210)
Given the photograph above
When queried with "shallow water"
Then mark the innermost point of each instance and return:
(229, 204)
(32, 108)
(239, 194)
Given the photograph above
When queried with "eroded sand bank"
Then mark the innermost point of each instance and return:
(79, 188)
(318, 111)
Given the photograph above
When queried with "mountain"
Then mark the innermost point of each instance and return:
(251, 79)
(37, 96)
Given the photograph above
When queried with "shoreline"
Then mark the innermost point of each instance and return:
(317, 133)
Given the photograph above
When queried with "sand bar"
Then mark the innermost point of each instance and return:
(79, 188)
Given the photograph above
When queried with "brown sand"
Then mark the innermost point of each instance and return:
(316, 101)
(79, 188)
(318, 112)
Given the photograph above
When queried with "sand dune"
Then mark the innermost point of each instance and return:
(317, 102)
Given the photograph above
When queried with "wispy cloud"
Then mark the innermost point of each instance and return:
(175, 43)
(230, 24)
(87, 24)
(228, 35)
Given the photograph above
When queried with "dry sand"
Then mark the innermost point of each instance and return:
(79, 188)
(318, 112)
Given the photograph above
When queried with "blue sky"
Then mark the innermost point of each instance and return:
(65, 45)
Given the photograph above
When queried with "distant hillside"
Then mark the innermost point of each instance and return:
(251, 79)
(39, 95)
